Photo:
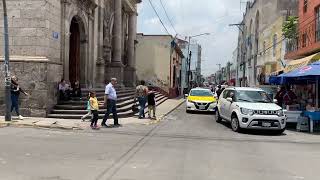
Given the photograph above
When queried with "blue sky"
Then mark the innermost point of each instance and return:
(192, 17)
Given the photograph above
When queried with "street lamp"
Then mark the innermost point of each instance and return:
(189, 54)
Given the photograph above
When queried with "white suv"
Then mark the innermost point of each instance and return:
(250, 108)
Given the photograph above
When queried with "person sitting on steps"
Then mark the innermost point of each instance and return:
(64, 90)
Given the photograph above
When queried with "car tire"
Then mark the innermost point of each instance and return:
(235, 126)
(187, 111)
(281, 131)
(218, 117)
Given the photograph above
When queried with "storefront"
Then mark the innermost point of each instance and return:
(304, 83)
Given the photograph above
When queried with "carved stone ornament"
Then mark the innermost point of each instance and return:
(86, 5)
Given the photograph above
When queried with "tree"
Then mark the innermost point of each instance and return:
(289, 28)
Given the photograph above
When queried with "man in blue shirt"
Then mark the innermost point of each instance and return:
(110, 100)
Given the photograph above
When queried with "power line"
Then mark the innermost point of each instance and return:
(154, 9)
(168, 17)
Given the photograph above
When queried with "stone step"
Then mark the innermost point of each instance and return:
(129, 113)
(81, 102)
(121, 98)
(102, 109)
(99, 90)
(84, 105)
(101, 93)
(101, 97)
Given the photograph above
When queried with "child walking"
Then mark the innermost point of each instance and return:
(88, 109)
(152, 104)
(94, 106)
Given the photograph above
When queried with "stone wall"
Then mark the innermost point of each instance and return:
(32, 25)
(34, 41)
(39, 79)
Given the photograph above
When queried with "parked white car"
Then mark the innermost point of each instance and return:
(250, 108)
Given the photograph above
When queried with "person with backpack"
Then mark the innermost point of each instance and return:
(88, 109)
(141, 94)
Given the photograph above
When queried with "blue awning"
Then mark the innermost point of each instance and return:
(309, 70)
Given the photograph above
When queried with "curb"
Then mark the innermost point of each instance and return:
(52, 126)
(57, 126)
(163, 116)
(173, 109)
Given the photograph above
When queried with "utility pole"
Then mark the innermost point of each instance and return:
(6, 63)
(189, 64)
(220, 74)
(189, 58)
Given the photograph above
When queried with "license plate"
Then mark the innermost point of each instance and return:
(266, 124)
(202, 107)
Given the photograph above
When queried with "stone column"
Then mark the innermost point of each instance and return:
(130, 70)
(116, 66)
(100, 64)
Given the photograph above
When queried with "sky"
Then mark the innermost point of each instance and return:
(192, 17)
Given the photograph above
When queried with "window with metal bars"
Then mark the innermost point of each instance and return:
(305, 6)
(304, 40)
(318, 24)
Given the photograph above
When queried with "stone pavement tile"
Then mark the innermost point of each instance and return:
(47, 123)
(27, 122)
(133, 120)
(168, 106)
(71, 124)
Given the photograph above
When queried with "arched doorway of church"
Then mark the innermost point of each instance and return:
(77, 60)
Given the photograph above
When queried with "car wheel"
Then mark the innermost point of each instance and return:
(218, 117)
(235, 124)
(187, 111)
(281, 131)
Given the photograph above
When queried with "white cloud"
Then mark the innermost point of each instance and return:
(192, 17)
(152, 21)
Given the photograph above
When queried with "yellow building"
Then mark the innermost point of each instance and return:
(272, 49)
(158, 62)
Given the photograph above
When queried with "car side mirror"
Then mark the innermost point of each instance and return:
(229, 99)
(275, 101)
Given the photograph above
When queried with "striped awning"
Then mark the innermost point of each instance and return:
(294, 64)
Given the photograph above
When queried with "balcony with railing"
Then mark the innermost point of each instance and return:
(307, 41)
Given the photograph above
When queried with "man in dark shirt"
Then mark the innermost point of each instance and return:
(152, 104)
(15, 92)
(219, 91)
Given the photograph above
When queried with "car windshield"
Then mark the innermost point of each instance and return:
(201, 93)
(253, 96)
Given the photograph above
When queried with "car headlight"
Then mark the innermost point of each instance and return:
(246, 111)
(280, 113)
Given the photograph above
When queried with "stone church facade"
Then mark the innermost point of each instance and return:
(85, 40)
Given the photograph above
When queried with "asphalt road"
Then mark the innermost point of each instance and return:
(181, 147)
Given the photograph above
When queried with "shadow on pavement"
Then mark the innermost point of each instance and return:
(254, 132)
(201, 112)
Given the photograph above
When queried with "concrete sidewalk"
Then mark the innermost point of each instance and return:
(72, 124)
